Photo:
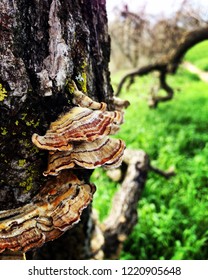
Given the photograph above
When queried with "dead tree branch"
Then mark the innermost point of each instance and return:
(168, 65)
(123, 215)
(108, 237)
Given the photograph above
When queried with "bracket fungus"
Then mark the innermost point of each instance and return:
(104, 152)
(79, 124)
(55, 209)
(78, 139)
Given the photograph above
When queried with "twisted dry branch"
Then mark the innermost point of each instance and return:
(168, 65)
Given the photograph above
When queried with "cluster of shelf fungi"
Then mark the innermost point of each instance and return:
(79, 139)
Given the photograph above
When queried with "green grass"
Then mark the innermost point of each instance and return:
(173, 214)
(198, 55)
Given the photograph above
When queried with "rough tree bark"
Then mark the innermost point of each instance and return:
(45, 44)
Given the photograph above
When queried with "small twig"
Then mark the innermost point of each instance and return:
(166, 174)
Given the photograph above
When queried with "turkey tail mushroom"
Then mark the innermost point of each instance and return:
(79, 124)
(54, 210)
(79, 138)
(104, 152)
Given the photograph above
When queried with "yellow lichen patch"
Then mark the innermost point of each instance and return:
(70, 87)
(82, 77)
(84, 64)
(27, 184)
(3, 131)
(32, 123)
(3, 93)
(24, 115)
(83, 82)
(21, 162)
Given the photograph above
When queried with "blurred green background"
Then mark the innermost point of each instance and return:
(173, 214)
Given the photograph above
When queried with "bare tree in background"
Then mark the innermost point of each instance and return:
(162, 43)
(143, 38)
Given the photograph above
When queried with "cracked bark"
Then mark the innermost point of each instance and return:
(43, 45)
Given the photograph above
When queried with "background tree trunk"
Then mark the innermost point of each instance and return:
(44, 43)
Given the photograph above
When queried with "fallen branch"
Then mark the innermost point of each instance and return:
(123, 215)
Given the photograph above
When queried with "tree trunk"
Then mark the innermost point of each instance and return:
(44, 44)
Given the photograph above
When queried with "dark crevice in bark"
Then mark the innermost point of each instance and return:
(31, 36)
(35, 68)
